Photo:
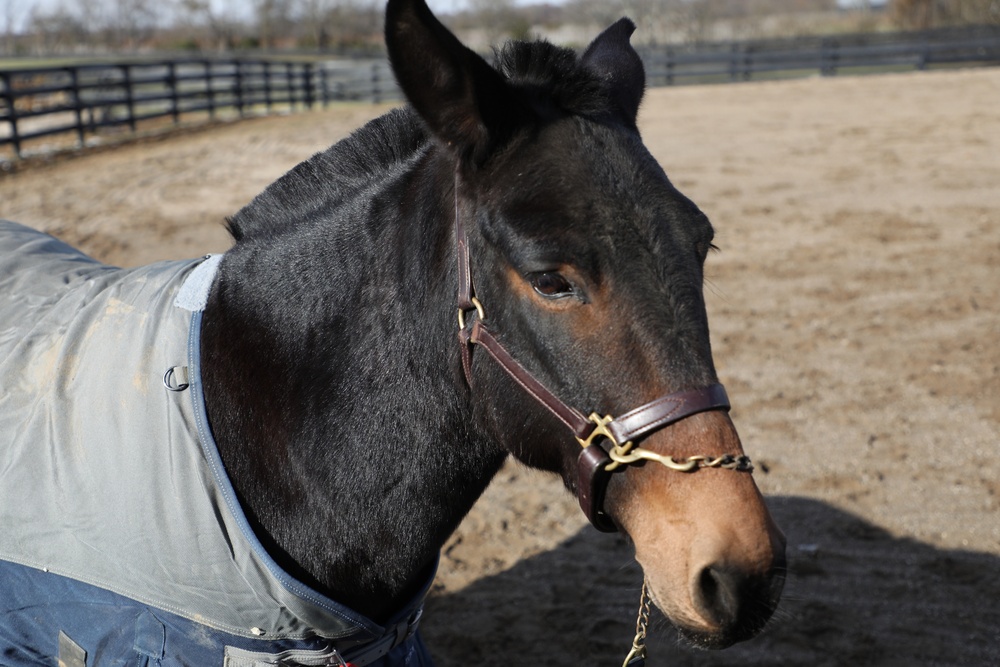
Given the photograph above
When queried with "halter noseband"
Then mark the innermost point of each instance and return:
(607, 442)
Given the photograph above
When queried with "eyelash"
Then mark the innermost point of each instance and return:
(705, 248)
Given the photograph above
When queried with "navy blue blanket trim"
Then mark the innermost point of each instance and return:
(211, 451)
(115, 630)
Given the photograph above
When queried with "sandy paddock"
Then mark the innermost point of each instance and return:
(855, 311)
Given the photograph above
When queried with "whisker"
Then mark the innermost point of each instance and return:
(716, 290)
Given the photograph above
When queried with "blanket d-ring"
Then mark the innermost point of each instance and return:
(121, 540)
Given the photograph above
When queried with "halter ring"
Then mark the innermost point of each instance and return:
(479, 310)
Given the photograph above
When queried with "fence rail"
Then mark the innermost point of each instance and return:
(84, 100)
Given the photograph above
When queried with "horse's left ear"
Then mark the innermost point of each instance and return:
(463, 100)
(613, 59)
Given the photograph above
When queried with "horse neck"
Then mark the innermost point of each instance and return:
(334, 393)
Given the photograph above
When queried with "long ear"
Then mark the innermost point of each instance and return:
(613, 59)
(463, 100)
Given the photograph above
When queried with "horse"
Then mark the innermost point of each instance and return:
(255, 457)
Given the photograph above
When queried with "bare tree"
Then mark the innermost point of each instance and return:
(12, 13)
(924, 14)
(974, 11)
(273, 21)
(315, 14)
(500, 20)
(208, 25)
(328, 24)
(130, 22)
(601, 12)
(917, 14)
(695, 21)
(55, 30)
(91, 16)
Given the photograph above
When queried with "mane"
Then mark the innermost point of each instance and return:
(554, 76)
(550, 76)
(330, 177)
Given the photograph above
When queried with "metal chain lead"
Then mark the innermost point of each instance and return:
(626, 454)
(637, 656)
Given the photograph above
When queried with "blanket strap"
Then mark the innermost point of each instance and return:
(393, 637)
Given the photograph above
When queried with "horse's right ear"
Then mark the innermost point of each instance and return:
(464, 101)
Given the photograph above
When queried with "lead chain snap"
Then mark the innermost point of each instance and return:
(637, 656)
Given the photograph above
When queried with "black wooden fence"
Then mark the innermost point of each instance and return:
(87, 99)
(828, 56)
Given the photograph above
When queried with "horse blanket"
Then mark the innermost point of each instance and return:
(121, 539)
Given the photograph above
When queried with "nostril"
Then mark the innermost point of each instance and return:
(717, 595)
(733, 602)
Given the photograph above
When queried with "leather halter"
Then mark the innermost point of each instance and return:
(598, 436)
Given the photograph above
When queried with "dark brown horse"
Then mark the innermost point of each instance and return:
(462, 280)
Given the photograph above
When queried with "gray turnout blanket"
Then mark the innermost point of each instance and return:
(121, 541)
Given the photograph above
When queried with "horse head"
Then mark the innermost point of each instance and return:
(586, 268)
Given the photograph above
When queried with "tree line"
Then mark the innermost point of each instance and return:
(81, 27)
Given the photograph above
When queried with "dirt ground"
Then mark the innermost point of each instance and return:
(855, 311)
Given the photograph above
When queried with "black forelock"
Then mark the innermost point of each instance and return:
(552, 75)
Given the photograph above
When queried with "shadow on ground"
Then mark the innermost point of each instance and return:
(855, 596)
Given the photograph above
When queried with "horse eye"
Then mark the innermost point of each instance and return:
(551, 285)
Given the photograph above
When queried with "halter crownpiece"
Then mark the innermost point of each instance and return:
(607, 442)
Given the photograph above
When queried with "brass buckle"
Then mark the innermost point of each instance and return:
(479, 310)
(600, 430)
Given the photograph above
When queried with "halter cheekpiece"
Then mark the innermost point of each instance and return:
(606, 442)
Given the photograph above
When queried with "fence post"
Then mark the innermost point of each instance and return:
(267, 85)
(129, 99)
(829, 56)
(209, 89)
(324, 86)
(238, 87)
(77, 105)
(376, 93)
(671, 61)
(308, 74)
(8, 94)
(290, 85)
(175, 111)
(925, 55)
(91, 118)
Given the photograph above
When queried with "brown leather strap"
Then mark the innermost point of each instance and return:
(666, 410)
(572, 418)
(464, 339)
(632, 425)
(591, 483)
